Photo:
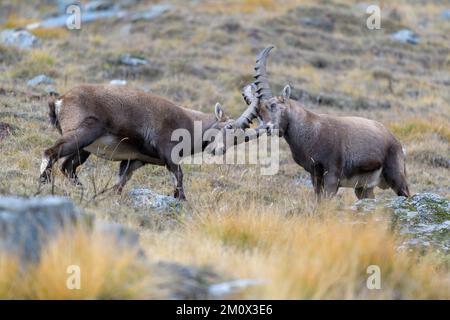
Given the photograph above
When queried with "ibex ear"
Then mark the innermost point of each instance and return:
(286, 93)
(220, 116)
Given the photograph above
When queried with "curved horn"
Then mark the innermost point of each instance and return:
(249, 114)
(262, 82)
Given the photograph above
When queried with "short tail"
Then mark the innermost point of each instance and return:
(52, 112)
(394, 171)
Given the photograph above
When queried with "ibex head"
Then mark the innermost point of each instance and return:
(270, 109)
(217, 132)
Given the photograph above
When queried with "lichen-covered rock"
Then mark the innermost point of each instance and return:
(424, 219)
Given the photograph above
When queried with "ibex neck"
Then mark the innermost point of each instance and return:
(301, 133)
(199, 123)
(206, 120)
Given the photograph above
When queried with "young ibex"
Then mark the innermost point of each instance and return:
(121, 124)
(338, 152)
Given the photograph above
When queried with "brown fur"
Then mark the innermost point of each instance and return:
(337, 149)
(142, 122)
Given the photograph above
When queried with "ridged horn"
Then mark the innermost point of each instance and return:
(248, 92)
(262, 82)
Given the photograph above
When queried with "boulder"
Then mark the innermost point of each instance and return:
(27, 224)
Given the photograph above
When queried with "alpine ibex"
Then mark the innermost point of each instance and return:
(121, 124)
(337, 151)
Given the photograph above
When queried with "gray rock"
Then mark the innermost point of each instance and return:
(132, 60)
(149, 199)
(27, 224)
(86, 17)
(18, 38)
(40, 79)
(224, 289)
(184, 282)
(118, 82)
(99, 10)
(405, 36)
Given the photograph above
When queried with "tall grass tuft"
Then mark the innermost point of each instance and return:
(107, 271)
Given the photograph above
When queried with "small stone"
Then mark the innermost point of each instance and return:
(149, 199)
(40, 79)
(224, 289)
(18, 38)
(118, 82)
(405, 36)
(132, 60)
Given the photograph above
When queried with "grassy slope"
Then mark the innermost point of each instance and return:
(200, 54)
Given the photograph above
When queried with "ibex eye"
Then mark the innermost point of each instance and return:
(228, 126)
(273, 106)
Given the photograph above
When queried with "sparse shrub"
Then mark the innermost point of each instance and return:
(15, 21)
(50, 33)
(9, 55)
(36, 62)
(415, 129)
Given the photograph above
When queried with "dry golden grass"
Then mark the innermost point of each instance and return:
(322, 256)
(50, 33)
(417, 128)
(107, 271)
